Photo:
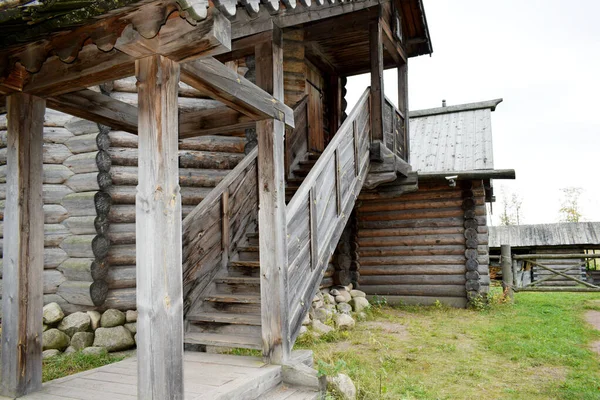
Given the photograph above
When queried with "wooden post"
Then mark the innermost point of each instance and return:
(22, 300)
(158, 233)
(377, 93)
(271, 216)
(506, 262)
(335, 119)
(403, 106)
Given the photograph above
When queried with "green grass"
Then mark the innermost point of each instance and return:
(536, 348)
(69, 364)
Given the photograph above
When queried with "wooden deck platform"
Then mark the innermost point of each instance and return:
(206, 377)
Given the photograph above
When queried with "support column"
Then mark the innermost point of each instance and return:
(506, 263)
(377, 93)
(271, 216)
(158, 233)
(403, 106)
(22, 299)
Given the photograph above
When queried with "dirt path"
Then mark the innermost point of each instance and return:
(593, 318)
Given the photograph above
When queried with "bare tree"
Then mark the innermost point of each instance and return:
(569, 207)
(511, 208)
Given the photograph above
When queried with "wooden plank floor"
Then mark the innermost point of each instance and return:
(206, 377)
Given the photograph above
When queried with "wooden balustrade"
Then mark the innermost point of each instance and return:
(319, 210)
(212, 231)
(296, 139)
(394, 132)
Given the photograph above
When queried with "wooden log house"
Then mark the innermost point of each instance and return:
(431, 244)
(211, 161)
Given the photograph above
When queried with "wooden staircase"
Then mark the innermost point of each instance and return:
(222, 271)
(230, 314)
(299, 173)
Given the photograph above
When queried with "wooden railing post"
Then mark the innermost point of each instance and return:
(506, 263)
(22, 300)
(403, 107)
(272, 223)
(377, 93)
(158, 233)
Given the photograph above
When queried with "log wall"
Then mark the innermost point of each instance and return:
(90, 178)
(413, 248)
(70, 185)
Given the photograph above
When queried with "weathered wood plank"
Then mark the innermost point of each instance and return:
(97, 107)
(377, 93)
(23, 261)
(158, 226)
(272, 211)
(221, 83)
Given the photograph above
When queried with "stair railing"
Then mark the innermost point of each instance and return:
(212, 231)
(394, 132)
(319, 210)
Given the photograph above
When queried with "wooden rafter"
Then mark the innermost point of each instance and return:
(105, 110)
(97, 107)
(221, 83)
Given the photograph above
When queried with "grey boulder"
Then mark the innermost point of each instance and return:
(52, 314)
(76, 322)
(53, 339)
(114, 339)
(112, 318)
(81, 340)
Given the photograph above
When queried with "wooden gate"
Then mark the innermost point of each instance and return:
(534, 259)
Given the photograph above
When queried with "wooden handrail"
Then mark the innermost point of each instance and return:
(208, 237)
(217, 192)
(319, 211)
(403, 154)
(309, 181)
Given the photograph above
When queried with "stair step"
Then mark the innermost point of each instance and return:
(313, 155)
(238, 280)
(221, 340)
(246, 264)
(229, 298)
(308, 163)
(285, 392)
(249, 249)
(225, 318)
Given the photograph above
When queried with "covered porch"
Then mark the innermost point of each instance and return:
(163, 45)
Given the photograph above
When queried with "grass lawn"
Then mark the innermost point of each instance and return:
(536, 348)
(69, 364)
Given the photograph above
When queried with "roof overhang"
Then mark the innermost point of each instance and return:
(482, 105)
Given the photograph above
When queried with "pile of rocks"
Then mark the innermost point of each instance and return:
(335, 308)
(90, 332)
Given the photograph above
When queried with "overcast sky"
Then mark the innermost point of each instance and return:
(543, 59)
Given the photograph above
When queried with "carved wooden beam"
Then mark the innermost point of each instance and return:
(97, 107)
(91, 68)
(105, 110)
(213, 121)
(178, 40)
(221, 83)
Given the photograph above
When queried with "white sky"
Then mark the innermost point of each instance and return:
(543, 59)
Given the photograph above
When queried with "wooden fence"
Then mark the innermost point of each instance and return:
(511, 268)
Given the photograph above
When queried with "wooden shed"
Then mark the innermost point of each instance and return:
(560, 238)
(419, 243)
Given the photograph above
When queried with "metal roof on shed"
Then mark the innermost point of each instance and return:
(562, 234)
(453, 139)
